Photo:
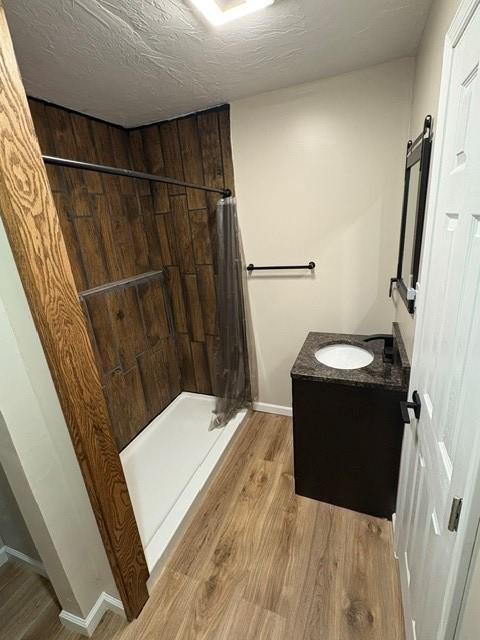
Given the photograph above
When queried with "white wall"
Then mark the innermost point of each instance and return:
(38, 457)
(13, 530)
(318, 176)
(426, 90)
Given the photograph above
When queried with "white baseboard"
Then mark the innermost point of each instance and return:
(280, 410)
(86, 626)
(8, 553)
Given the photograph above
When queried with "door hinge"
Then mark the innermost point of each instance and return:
(411, 293)
(455, 512)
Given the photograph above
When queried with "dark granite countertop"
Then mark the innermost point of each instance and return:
(378, 374)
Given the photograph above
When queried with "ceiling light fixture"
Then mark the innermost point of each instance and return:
(217, 16)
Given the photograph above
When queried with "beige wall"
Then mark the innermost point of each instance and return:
(428, 69)
(318, 175)
(38, 457)
(13, 530)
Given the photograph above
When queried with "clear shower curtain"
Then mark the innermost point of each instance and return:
(233, 378)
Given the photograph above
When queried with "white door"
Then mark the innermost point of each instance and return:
(441, 449)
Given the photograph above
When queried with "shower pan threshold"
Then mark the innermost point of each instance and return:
(168, 465)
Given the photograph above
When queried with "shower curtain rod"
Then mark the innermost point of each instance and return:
(128, 173)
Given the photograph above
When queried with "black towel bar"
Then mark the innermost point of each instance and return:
(310, 265)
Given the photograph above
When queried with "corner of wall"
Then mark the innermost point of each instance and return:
(319, 170)
(86, 626)
(40, 462)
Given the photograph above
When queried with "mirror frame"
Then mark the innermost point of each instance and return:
(418, 150)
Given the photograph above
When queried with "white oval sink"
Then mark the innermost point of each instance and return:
(344, 356)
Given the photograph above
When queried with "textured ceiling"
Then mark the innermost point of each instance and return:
(139, 61)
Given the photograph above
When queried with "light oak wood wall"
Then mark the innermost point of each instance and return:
(155, 336)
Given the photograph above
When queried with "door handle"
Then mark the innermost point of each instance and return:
(416, 405)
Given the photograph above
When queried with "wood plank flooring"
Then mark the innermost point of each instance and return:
(259, 563)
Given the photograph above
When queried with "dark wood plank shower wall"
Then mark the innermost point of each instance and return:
(196, 149)
(143, 254)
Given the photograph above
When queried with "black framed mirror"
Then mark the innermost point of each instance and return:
(417, 169)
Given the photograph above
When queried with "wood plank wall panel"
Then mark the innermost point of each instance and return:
(111, 232)
(33, 228)
(195, 148)
(117, 227)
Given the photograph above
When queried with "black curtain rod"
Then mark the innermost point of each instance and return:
(128, 173)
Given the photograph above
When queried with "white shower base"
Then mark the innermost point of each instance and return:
(168, 465)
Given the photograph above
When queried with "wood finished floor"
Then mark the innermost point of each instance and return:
(256, 563)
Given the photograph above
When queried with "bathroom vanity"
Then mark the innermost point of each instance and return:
(347, 423)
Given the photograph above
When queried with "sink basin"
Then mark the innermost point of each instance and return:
(344, 356)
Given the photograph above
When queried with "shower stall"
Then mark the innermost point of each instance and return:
(168, 465)
(158, 269)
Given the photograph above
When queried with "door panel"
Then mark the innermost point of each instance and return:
(440, 455)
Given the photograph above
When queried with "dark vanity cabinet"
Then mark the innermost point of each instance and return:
(348, 428)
